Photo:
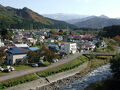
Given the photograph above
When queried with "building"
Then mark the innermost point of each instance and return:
(59, 38)
(69, 48)
(15, 55)
(50, 40)
(21, 45)
(32, 40)
(1, 43)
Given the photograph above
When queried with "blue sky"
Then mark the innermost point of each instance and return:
(82, 7)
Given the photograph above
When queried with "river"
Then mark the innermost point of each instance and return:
(98, 74)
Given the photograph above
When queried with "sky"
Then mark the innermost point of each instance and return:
(83, 7)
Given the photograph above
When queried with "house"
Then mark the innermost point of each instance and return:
(32, 40)
(18, 40)
(40, 38)
(21, 45)
(50, 40)
(1, 43)
(53, 47)
(69, 48)
(59, 38)
(15, 55)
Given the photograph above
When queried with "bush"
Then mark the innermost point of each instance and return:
(19, 80)
(70, 65)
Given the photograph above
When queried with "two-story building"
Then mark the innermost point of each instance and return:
(69, 48)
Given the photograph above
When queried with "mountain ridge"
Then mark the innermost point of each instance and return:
(27, 19)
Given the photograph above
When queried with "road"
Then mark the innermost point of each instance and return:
(25, 72)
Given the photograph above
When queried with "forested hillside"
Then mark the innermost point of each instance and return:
(27, 19)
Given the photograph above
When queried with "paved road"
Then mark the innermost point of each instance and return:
(24, 72)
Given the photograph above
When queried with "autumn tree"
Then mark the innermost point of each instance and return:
(2, 55)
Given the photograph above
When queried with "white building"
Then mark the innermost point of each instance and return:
(69, 48)
(50, 40)
(32, 40)
(21, 45)
(1, 43)
(15, 55)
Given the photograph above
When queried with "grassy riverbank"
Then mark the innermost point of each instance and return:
(19, 80)
(111, 48)
(62, 68)
(94, 63)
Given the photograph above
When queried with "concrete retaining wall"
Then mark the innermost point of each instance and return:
(66, 74)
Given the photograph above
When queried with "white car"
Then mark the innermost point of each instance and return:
(35, 65)
(54, 60)
(1, 69)
(12, 68)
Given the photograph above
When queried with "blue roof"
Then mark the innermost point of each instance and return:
(52, 45)
(33, 48)
(16, 50)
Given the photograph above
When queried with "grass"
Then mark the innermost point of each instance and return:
(62, 68)
(19, 67)
(46, 63)
(19, 80)
(108, 49)
(69, 55)
(94, 63)
(111, 48)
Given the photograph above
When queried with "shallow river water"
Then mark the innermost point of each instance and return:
(98, 74)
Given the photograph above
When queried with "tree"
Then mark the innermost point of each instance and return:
(98, 44)
(5, 34)
(2, 55)
(33, 57)
(115, 66)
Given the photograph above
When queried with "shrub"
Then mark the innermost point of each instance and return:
(70, 65)
(19, 80)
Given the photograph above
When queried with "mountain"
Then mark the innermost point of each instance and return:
(97, 23)
(64, 17)
(74, 21)
(27, 19)
(103, 16)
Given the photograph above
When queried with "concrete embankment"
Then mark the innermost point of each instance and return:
(50, 79)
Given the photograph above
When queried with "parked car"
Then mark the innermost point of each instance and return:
(9, 69)
(35, 65)
(54, 60)
(12, 68)
(1, 69)
(41, 62)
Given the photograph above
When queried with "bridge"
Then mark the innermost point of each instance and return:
(99, 54)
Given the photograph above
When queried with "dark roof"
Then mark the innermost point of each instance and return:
(16, 51)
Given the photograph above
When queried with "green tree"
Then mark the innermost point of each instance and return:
(32, 57)
(2, 55)
(115, 66)
(5, 34)
(98, 44)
